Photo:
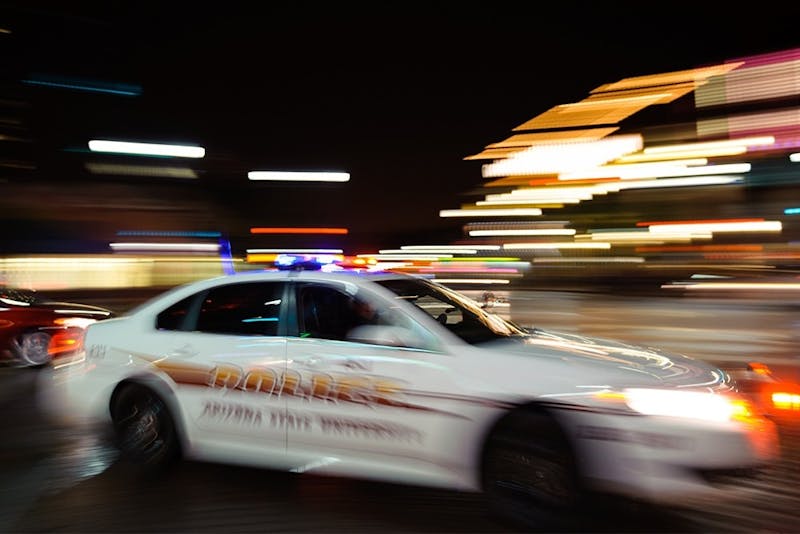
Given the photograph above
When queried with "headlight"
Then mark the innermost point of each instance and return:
(701, 405)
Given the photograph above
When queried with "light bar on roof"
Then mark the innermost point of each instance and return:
(299, 176)
(147, 149)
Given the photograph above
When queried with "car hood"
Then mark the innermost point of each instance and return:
(571, 359)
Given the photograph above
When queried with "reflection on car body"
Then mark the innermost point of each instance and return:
(278, 369)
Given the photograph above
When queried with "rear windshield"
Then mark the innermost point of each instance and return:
(13, 296)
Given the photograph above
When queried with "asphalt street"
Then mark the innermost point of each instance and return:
(59, 478)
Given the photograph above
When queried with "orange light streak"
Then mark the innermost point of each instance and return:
(296, 230)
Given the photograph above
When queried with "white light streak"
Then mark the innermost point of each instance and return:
(301, 176)
(411, 256)
(611, 259)
(471, 280)
(523, 201)
(448, 251)
(459, 248)
(711, 145)
(551, 231)
(654, 170)
(551, 246)
(174, 247)
(770, 286)
(510, 212)
(147, 149)
(686, 181)
(642, 236)
(753, 226)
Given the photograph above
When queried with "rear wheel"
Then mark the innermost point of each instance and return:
(144, 430)
(529, 473)
(32, 349)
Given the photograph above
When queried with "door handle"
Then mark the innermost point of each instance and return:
(312, 362)
(354, 364)
(186, 351)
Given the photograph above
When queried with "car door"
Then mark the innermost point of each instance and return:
(226, 353)
(367, 401)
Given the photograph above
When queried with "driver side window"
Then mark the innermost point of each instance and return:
(326, 312)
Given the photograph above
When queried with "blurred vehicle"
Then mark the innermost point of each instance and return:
(34, 328)
(776, 396)
(278, 369)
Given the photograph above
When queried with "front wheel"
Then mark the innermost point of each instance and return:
(144, 430)
(529, 473)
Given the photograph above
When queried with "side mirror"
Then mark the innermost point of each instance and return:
(392, 336)
(487, 300)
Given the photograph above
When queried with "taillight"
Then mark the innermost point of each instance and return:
(66, 341)
(785, 398)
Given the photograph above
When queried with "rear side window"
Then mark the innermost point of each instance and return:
(247, 308)
(176, 317)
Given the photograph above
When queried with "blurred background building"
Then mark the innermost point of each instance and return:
(677, 180)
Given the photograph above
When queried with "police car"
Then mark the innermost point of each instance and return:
(393, 377)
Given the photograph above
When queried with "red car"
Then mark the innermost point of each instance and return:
(34, 328)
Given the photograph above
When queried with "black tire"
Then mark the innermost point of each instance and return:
(144, 430)
(529, 473)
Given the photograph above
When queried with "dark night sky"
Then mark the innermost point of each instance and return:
(395, 93)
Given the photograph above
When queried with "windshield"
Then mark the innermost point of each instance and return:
(461, 315)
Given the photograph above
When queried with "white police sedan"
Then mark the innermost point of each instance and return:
(393, 377)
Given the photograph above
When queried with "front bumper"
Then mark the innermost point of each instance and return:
(667, 460)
